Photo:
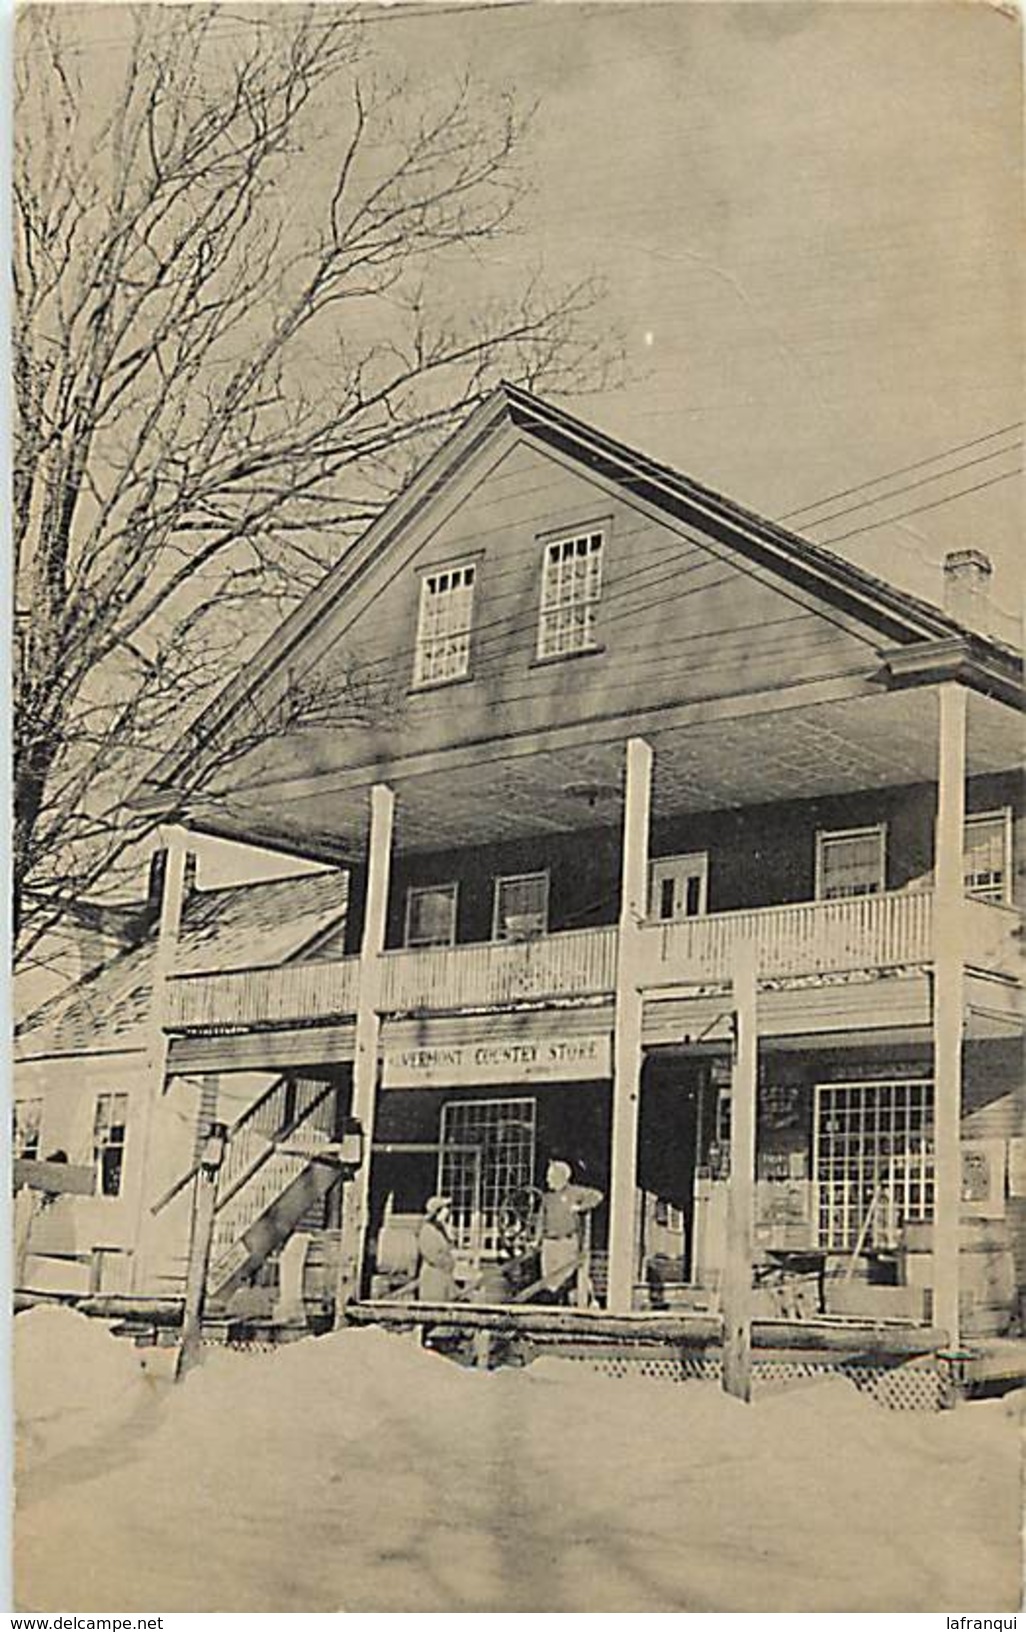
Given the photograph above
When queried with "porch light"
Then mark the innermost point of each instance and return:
(593, 793)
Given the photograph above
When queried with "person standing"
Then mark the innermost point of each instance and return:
(436, 1260)
(563, 1209)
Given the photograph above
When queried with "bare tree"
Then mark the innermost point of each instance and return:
(242, 257)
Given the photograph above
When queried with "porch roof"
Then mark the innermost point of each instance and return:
(833, 739)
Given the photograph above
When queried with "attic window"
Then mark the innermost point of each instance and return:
(570, 593)
(443, 629)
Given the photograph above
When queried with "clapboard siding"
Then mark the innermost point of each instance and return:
(677, 621)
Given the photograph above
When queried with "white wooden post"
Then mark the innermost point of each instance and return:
(356, 1199)
(948, 1006)
(627, 1053)
(737, 1267)
(172, 906)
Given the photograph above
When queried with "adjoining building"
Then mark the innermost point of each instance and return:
(639, 728)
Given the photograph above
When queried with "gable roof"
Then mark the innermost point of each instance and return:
(245, 926)
(900, 618)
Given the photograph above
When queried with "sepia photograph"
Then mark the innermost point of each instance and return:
(517, 824)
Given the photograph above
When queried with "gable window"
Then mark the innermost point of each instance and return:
(431, 915)
(571, 588)
(109, 1142)
(986, 855)
(849, 862)
(27, 1119)
(521, 906)
(444, 624)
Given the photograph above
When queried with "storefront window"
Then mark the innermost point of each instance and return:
(487, 1155)
(873, 1161)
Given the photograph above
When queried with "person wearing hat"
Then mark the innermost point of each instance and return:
(562, 1218)
(435, 1283)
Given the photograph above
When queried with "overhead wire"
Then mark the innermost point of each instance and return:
(902, 470)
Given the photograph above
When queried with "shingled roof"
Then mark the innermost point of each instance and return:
(250, 925)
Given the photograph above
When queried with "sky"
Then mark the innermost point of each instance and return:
(807, 218)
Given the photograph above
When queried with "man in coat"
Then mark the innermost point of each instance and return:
(562, 1218)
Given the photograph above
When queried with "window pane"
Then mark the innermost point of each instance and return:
(850, 863)
(27, 1117)
(571, 588)
(431, 916)
(986, 862)
(444, 627)
(521, 905)
(496, 1160)
(874, 1161)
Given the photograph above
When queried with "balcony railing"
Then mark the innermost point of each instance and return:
(290, 993)
(576, 963)
(804, 938)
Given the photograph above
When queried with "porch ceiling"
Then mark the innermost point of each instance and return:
(514, 790)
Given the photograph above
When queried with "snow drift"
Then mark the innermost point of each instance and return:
(360, 1472)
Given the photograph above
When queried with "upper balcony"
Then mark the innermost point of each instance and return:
(795, 941)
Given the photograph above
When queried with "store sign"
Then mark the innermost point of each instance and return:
(445, 1065)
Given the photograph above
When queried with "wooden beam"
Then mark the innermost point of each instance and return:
(948, 1004)
(356, 1199)
(865, 1339)
(142, 1143)
(627, 1051)
(737, 1268)
(55, 1178)
(204, 1199)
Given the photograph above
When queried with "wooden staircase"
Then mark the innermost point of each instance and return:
(275, 1178)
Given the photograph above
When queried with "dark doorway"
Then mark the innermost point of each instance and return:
(667, 1154)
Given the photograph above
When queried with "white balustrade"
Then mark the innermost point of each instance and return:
(241, 997)
(805, 938)
(576, 963)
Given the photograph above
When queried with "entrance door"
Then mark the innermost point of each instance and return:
(678, 886)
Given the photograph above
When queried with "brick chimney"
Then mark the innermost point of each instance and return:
(967, 575)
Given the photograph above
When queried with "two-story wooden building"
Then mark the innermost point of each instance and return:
(637, 727)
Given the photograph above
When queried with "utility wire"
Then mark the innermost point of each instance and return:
(871, 526)
(907, 487)
(902, 470)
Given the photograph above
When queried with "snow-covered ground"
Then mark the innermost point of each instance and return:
(359, 1472)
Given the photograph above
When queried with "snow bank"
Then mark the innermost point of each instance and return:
(359, 1471)
(73, 1381)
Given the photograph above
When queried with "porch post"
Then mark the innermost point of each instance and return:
(356, 1198)
(948, 1005)
(737, 1268)
(627, 1055)
(178, 866)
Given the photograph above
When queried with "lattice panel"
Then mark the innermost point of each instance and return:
(897, 1388)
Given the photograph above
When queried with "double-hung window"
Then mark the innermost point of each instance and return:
(444, 625)
(109, 1142)
(570, 594)
(27, 1119)
(431, 915)
(850, 861)
(986, 855)
(521, 907)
